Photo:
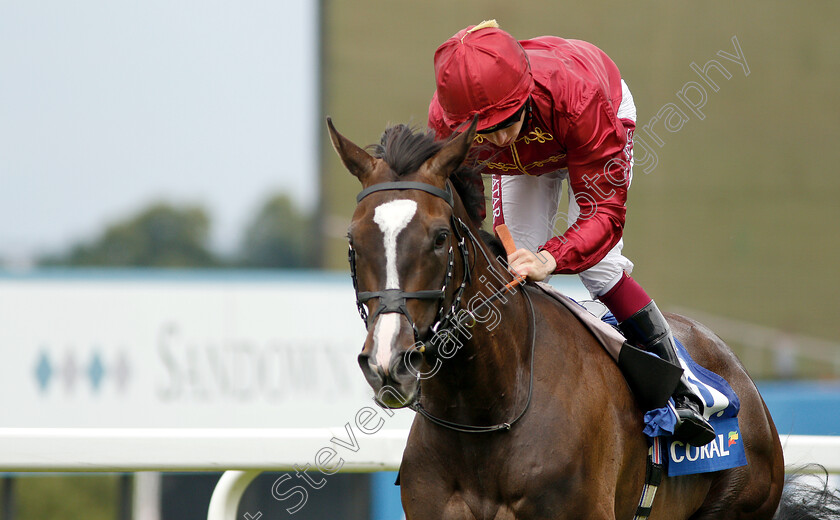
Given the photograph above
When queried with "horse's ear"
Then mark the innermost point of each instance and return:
(356, 160)
(453, 153)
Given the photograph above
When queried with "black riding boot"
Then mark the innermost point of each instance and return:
(649, 330)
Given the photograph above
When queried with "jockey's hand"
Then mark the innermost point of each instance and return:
(534, 266)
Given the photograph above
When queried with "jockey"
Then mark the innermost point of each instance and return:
(550, 110)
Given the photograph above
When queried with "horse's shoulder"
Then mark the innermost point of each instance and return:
(570, 344)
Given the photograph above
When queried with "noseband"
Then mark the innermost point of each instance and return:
(394, 300)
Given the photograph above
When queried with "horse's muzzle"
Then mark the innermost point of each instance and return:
(396, 386)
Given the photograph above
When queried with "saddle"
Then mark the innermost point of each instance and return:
(721, 402)
(635, 364)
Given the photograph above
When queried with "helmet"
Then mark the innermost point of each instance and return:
(481, 70)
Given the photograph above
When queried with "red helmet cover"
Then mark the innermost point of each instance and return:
(484, 72)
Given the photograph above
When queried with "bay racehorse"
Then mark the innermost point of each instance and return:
(523, 415)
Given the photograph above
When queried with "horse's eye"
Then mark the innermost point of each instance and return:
(440, 239)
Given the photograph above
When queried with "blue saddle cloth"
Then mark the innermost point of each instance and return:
(721, 409)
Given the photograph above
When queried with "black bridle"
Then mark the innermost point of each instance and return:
(394, 300)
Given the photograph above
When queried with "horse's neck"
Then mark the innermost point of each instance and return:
(492, 355)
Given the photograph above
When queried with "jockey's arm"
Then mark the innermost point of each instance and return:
(599, 178)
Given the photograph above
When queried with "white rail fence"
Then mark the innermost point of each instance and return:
(784, 347)
(245, 453)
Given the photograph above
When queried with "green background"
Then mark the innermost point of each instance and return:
(738, 219)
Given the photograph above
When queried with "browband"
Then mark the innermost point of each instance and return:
(422, 186)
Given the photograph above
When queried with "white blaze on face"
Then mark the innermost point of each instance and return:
(384, 333)
(391, 217)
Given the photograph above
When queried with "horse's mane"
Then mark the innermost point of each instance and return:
(405, 149)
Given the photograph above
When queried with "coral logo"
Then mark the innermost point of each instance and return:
(724, 452)
(733, 438)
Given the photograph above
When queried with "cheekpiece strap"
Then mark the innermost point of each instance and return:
(405, 185)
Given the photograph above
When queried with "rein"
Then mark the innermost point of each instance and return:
(394, 300)
(469, 428)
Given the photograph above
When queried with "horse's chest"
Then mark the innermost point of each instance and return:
(479, 491)
(461, 510)
(466, 505)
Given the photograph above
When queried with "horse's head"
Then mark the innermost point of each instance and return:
(403, 239)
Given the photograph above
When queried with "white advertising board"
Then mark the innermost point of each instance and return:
(182, 351)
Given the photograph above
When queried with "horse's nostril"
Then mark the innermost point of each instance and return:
(400, 369)
(370, 369)
(413, 360)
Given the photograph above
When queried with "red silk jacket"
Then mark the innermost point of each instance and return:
(573, 125)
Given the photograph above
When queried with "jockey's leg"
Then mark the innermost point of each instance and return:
(644, 325)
